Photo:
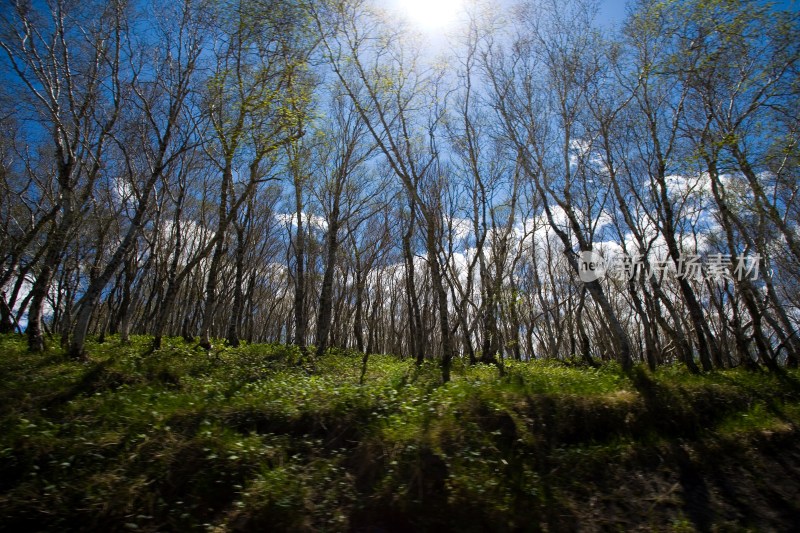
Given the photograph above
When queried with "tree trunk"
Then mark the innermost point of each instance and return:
(300, 319)
(441, 297)
(358, 320)
(238, 294)
(6, 323)
(39, 291)
(216, 258)
(326, 295)
(124, 312)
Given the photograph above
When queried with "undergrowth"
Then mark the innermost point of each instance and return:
(249, 439)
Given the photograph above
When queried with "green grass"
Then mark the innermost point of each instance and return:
(248, 439)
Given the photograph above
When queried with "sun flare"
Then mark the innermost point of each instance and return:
(431, 15)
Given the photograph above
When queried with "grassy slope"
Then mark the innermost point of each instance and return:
(246, 440)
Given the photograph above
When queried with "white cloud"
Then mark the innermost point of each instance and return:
(314, 221)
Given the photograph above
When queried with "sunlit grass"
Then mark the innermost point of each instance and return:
(248, 437)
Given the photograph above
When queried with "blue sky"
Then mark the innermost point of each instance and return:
(613, 11)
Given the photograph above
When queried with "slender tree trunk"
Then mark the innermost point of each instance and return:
(238, 293)
(705, 340)
(91, 297)
(372, 336)
(441, 298)
(326, 295)
(6, 324)
(173, 281)
(54, 245)
(586, 352)
(39, 291)
(300, 319)
(216, 258)
(358, 320)
(414, 313)
(211, 295)
(124, 312)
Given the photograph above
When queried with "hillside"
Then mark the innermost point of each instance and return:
(246, 439)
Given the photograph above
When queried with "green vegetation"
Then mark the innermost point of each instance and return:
(248, 439)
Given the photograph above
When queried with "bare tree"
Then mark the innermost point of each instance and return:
(255, 100)
(540, 95)
(342, 152)
(67, 67)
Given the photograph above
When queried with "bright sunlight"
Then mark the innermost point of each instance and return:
(431, 15)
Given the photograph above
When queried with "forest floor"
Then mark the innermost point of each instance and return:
(247, 439)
